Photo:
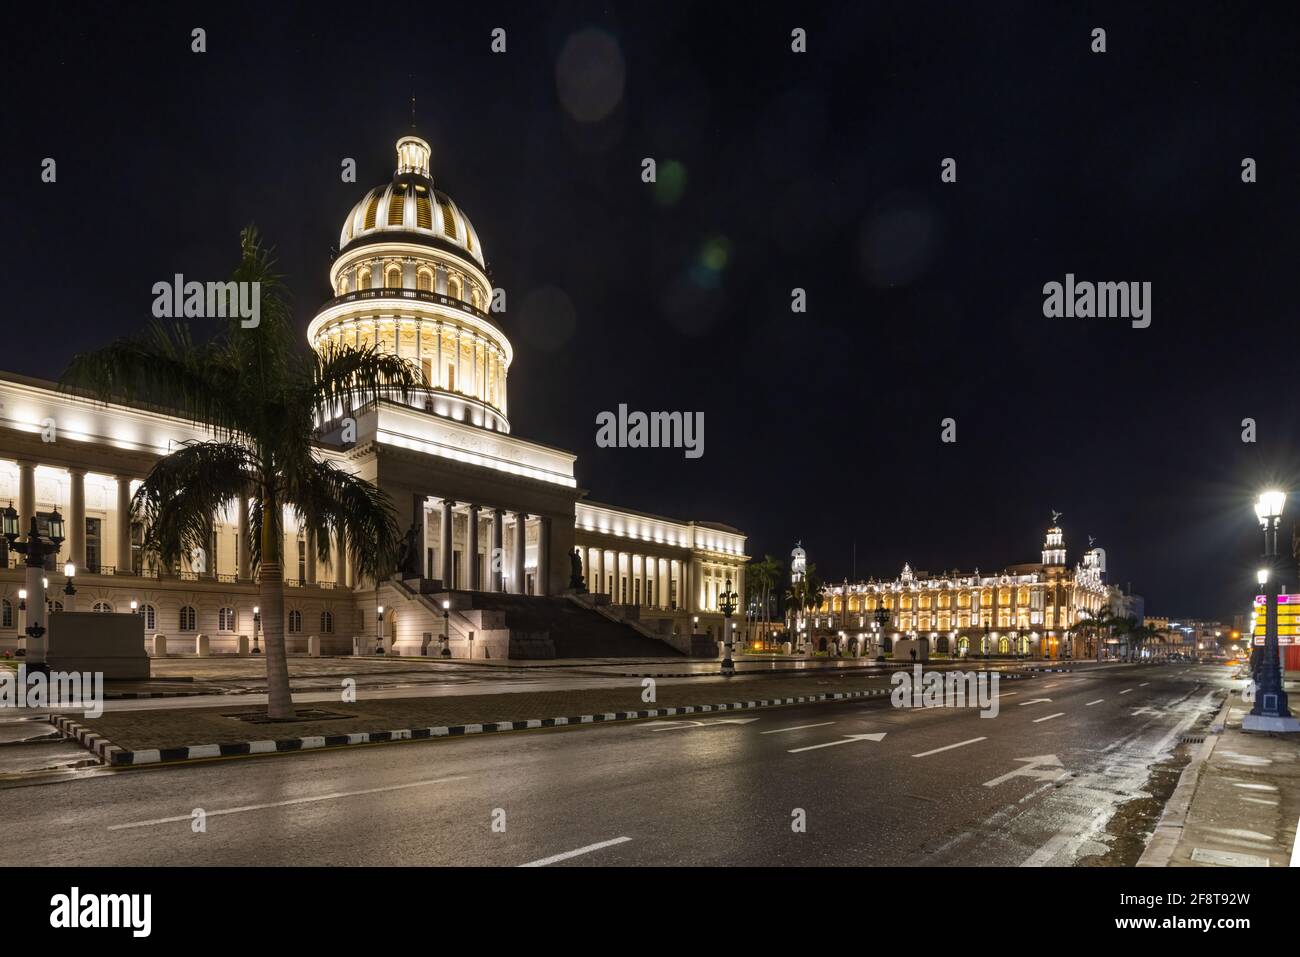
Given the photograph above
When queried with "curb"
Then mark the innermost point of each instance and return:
(115, 756)
(138, 695)
(1164, 839)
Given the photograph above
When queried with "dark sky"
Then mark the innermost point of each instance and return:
(818, 171)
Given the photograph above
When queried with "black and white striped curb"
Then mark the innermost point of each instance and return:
(111, 754)
(138, 695)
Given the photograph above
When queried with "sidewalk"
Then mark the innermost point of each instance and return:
(1238, 802)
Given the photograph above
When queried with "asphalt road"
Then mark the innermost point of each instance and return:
(942, 786)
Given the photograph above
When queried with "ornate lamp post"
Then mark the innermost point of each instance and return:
(882, 620)
(1270, 712)
(446, 630)
(379, 629)
(70, 572)
(36, 550)
(727, 605)
(257, 620)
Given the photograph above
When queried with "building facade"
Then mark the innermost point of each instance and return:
(492, 512)
(1034, 609)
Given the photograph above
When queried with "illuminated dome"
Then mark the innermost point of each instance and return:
(410, 281)
(410, 204)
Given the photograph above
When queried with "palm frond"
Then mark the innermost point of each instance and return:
(329, 500)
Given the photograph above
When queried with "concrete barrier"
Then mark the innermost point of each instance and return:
(201, 645)
(313, 646)
(243, 646)
(160, 646)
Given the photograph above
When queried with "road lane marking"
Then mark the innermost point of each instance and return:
(1042, 767)
(1126, 691)
(1033, 701)
(1008, 694)
(949, 747)
(674, 725)
(1144, 684)
(799, 727)
(303, 800)
(1049, 717)
(848, 739)
(577, 852)
(1091, 703)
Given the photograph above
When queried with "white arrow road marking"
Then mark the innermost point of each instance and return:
(301, 800)
(949, 747)
(1051, 770)
(575, 853)
(1091, 703)
(1126, 691)
(1033, 701)
(1049, 717)
(798, 727)
(672, 725)
(848, 739)
(1144, 710)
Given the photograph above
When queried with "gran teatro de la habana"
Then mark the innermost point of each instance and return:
(1035, 610)
(499, 524)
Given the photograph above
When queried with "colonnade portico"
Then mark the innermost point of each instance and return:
(473, 551)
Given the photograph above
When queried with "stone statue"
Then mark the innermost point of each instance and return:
(408, 553)
(576, 581)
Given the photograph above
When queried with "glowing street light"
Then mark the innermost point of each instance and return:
(1270, 712)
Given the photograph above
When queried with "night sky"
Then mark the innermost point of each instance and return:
(776, 170)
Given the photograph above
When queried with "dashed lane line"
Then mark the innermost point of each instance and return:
(290, 803)
(1049, 717)
(949, 747)
(1126, 691)
(577, 852)
(798, 727)
(1091, 703)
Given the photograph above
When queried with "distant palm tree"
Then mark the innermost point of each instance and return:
(261, 396)
(763, 574)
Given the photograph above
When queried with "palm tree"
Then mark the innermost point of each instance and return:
(760, 578)
(260, 396)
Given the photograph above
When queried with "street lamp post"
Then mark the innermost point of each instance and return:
(1270, 712)
(446, 630)
(379, 629)
(70, 593)
(882, 619)
(257, 621)
(727, 605)
(36, 550)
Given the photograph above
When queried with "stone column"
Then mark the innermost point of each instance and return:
(498, 556)
(445, 543)
(472, 549)
(521, 544)
(123, 518)
(596, 580)
(77, 518)
(697, 585)
(619, 596)
(311, 556)
(543, 555)
(637, 577)
(26, 497)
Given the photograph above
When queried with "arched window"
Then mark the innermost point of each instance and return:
(295, 622)
(453, 287)
(475, 297)
(448, 219)
(363, 278)
(393, 277)
(150, 617)
(424, 280)
(188, 619)
(102, 607)
(226, 620)
(327, 623)
(53, 606)
(6, 614)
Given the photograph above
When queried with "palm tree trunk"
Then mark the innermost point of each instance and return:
(279, 702)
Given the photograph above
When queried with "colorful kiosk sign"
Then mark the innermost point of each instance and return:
(1288, 619)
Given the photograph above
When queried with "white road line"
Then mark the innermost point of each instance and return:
(949, 747)
(303, 800)
(1126, 691)
(1008, 694)
(575, 853)
(798, 727)
(1091, 703)
(1144, 684)
(847, 739)
(1295, 848)
(1049, 717)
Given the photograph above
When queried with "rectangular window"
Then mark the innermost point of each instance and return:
(93, 527)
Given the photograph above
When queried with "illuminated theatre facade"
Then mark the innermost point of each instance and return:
(1029, 609)
(491, 514)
